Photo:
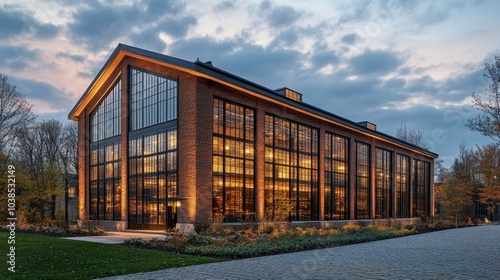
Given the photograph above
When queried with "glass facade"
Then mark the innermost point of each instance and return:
(421, 188)
(153, 99)
(105, 120)
(152, 152)
(383, 184)
(291, 170)
(233, 161)
(336, 177)
(153, 179)
(104, 167)
(402, 203)
(362, 181)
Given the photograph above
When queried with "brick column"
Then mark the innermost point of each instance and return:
(260, 124)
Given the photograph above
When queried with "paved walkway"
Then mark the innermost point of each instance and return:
(467, 253)
(120, 236)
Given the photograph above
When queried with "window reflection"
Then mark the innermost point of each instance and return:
(105, 120)
(153, 99)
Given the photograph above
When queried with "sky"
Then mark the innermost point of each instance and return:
(386, 62)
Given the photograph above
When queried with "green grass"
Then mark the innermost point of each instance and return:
(43, 257)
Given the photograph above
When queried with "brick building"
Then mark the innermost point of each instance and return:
(164, 143)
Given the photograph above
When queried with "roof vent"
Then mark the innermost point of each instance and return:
(291, 94)
(368, 125)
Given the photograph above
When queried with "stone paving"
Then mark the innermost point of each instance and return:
(466, 253)
(120, 236)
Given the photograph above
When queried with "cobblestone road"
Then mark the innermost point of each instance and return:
(466, 253)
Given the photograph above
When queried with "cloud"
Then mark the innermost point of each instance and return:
(95, 21)
(74, 57)
(350, 39)
(158, 8)
(375, 62)
(17, 57)
(177, 27)
(41, 93)
(15, 22)
(283, 16)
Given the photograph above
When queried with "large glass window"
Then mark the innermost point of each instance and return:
(362, 181)
(402, 186)
(105, 120)
(105, 182)
(153, 179)
(336, 177)
(233, 161)
(104, 168)
(383, 183)
(153, 99)
(421, 188)
(291, 170)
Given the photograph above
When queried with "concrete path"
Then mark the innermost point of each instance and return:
(467, 253)
(120, 236)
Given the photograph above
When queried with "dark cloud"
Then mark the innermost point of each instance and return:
(375, 62)
(95, 21)
(15, 22)
(42, 91)
(148, 39)
(266, 66)
(177, 27)
(224, 5)
(158, 8)
(74, 57)
(17, 57)
(351, 39)
(283, 16)
(324, 58)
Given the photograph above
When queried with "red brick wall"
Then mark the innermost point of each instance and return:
(195, 95)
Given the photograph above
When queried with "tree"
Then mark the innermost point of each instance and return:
(38, 156)
(489, 168)
(413, 137)
(488, 122)
(459, 190)
(15, 112)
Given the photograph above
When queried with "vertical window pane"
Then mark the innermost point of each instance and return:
(291, 170)
(336, 177)
(105, 120)
(153, 99)
(362, 181)
(233, 161)
(383, 183)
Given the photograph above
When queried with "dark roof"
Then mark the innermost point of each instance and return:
(208, 69)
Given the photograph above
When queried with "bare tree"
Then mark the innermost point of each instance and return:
(411, 136)
(38, 155)
(69, 159)
(15, 112)
(488, 122)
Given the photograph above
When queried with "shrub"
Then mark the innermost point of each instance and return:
(138, 242)
(200, 227)
(195, 239)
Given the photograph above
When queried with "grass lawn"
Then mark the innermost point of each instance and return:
(42, 257)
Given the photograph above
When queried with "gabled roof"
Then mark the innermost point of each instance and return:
(207, 70)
